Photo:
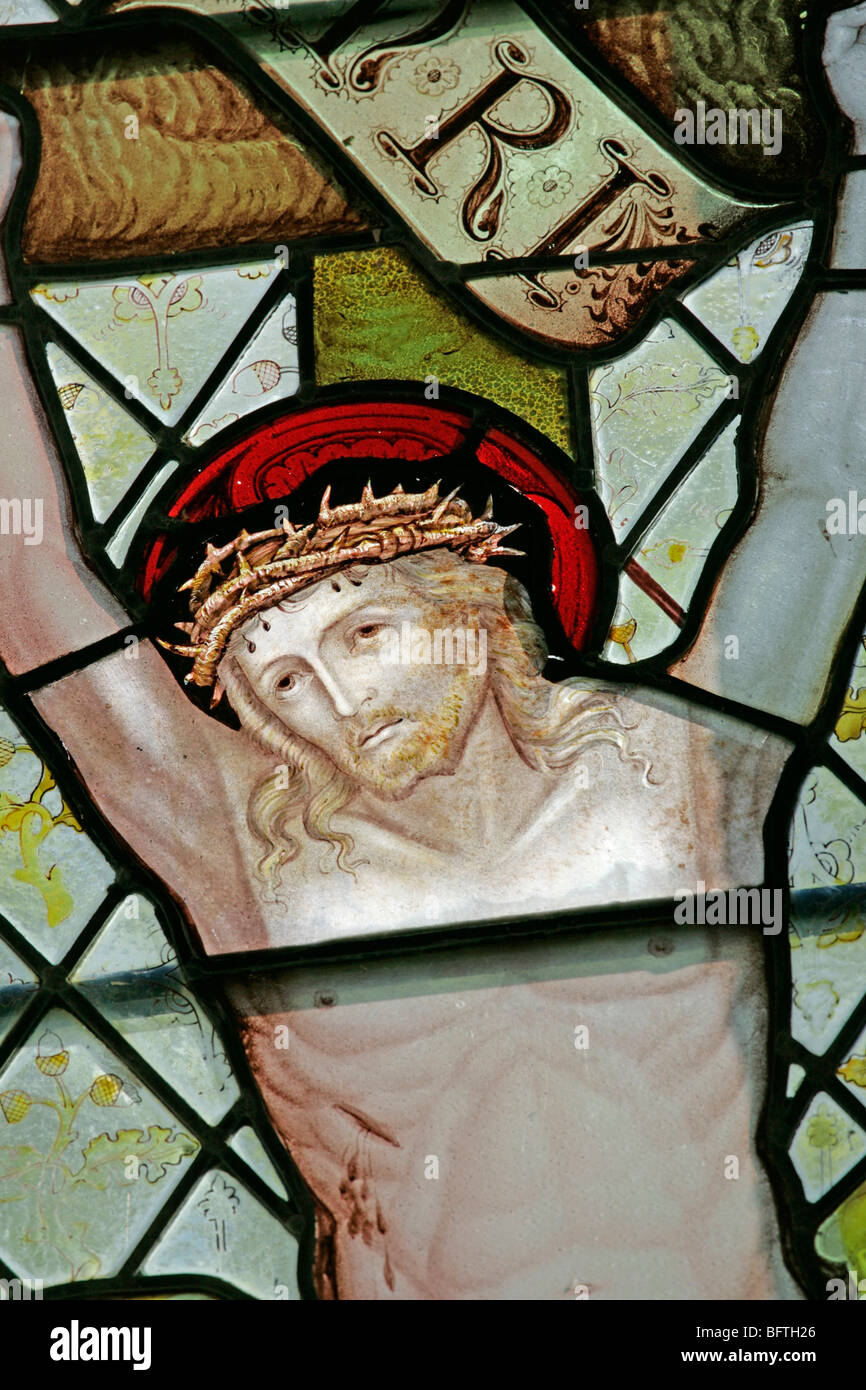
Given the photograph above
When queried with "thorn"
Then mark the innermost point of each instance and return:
(487, 514)
(245, 569)
(188, 585)
(338, 541)
(218, 692)
(324, 507)
(184, 627)
(178, 650)
(442, 506)
(399, 488)
(287, 526)
(367, 494)
(293, 545)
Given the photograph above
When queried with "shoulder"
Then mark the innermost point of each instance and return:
(686, 723)
(723, 769)
(708, 780)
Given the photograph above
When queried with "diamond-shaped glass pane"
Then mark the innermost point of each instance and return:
(52, 876)
(221, 1230)
(87, 1156)
(131, 975)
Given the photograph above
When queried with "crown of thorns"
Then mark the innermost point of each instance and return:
(269, 566)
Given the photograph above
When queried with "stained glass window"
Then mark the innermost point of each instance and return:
(432, 787)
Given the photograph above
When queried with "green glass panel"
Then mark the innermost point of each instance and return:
(88, 1156)
(111, 446)
(826, 1146)
(52, 876)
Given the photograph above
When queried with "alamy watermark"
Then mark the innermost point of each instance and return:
(846, 516)
(743, 907)
(22, 516)
(854, 1289)
(20, 1289)
(735, 126)
(77, 1343)
(439, 646)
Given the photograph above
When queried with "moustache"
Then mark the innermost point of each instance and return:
(363, 728)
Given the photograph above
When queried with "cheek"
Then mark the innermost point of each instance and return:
(455, 688)
(375, 671)
(387, 680)
(301, 715)
(414, 686)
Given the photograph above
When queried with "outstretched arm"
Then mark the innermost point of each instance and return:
(143, 750)
(790, 586)
(49, 603)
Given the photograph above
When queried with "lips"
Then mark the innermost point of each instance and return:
(379, 732)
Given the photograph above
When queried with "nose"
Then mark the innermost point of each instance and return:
(345, 701)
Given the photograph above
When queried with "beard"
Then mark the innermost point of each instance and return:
(426, 743)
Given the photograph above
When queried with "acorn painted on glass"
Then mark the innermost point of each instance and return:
(623, 634)
(775, 249)
(111, 1089)
(258, 377)
(14, 1105)
(106, 1089)
(69, 393)
(52, 1059)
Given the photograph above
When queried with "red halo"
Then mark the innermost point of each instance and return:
(275, 458)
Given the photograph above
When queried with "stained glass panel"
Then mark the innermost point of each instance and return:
(432, 788)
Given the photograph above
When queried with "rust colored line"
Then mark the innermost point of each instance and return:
(644, 581)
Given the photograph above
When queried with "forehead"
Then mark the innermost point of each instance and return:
(304, 621)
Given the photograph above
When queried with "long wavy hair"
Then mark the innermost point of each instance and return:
(551, 725)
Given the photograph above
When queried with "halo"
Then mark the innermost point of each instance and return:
(271, 462)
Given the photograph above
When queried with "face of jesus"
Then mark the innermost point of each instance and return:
(324, 664)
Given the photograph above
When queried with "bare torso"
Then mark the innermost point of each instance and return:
(558, 1166)
(469, 1140)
